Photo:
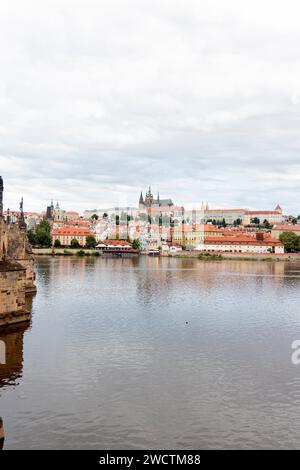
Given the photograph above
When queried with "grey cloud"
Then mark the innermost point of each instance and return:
(100, 99)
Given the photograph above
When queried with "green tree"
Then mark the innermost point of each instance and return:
(75, 243)
(136, 244)
(267, 224)
(43, 233)
(90, 242)
(43, 238)
(290, 241)
(57, 244)
(44, 225)
(32, 238)
(95, 217)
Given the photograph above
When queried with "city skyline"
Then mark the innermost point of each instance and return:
(44, 203)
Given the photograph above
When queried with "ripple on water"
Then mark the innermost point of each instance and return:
(156, 353)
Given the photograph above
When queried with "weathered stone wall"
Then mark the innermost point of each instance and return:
(19, 249)
(28, 264)
(12, 293)
(16, 269)
(16, 274)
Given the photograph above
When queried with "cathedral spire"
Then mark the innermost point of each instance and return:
(141, 201)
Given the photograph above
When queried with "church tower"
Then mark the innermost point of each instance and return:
(149, 198)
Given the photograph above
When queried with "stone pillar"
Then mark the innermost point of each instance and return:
(19, 250)
(12, 294)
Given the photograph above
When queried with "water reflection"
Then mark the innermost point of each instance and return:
(11, 371)
(159, 353)
(12, 338)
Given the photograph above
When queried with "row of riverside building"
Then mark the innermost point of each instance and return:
(159, 223)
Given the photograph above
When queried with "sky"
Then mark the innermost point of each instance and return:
(198, 98)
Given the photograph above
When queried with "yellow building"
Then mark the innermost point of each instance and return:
(194, 234)
(66, 234)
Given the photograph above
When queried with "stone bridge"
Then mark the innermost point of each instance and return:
(17, 275)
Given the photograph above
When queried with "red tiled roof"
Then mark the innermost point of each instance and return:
(116, 242)
(224, 210)
(75, 223)
(72, 231)
(291, 228)
(263, 212)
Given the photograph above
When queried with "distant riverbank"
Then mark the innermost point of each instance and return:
(218, 256)
(238, 256)
(65, 252)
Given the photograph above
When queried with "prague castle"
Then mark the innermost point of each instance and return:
(150, 202)
(16, 268)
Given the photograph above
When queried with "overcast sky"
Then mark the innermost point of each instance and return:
(200, 99)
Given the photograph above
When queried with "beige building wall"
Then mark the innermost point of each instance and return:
(65, 240)
(188, 236)
(276, 232)
(236, 248)
(270, 217)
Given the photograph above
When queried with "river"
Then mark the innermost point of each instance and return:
(155, 353)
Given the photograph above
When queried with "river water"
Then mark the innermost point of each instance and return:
(155, 353)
